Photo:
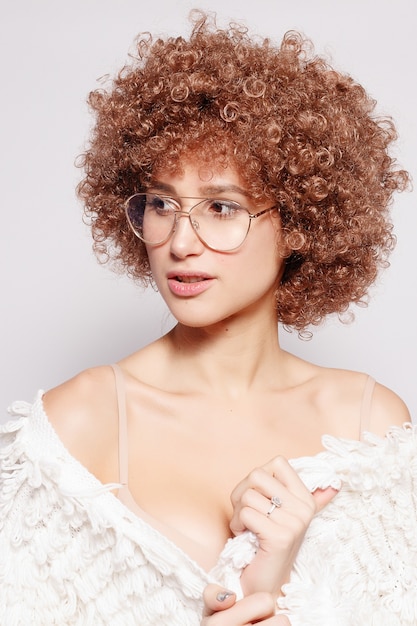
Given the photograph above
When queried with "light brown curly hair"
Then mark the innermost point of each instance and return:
(298, 132)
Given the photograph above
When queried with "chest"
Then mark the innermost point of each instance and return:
(185, 459)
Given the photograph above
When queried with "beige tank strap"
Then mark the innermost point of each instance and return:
(366, 404)
(121, 406)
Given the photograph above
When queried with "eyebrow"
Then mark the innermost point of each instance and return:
(215, 189)
(207, 190)
(162, 186)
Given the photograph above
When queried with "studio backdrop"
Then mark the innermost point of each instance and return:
(60, 310)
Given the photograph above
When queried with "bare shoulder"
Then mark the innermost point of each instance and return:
(83, 412)
(387, 409)
(345, 390)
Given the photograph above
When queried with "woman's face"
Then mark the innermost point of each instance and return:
(201, 286)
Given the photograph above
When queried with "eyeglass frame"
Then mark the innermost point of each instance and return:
(178, 213)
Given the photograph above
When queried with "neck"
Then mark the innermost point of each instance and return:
(231, 357)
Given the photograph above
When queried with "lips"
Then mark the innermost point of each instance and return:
(189, 279)
(189, 284)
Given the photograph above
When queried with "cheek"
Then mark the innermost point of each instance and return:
(279, 250)
(259, 268)
(156, 264)
(266, 253)
(154, 257)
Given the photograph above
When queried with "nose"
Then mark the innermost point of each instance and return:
(184, 240)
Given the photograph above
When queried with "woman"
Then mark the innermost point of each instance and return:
(250, 184)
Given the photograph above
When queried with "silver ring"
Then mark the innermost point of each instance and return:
(276, 503)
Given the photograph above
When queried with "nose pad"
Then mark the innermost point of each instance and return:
(184, 238)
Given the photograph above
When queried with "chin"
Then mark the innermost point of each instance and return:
(194, 319)
(186, 322)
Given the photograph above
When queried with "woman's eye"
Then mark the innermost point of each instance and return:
(160, 205)
(224, 209)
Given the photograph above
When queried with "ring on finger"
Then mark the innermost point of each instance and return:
(276, 503)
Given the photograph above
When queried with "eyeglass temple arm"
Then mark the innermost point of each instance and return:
(253, 215)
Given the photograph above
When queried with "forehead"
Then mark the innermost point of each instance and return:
(202, 173)
(202, 179)
(219, 165)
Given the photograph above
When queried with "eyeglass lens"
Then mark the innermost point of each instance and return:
(220, 224)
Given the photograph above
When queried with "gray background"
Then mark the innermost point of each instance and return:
(60, 311)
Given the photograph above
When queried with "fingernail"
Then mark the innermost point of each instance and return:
(223, 595)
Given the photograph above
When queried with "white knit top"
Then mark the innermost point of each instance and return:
(72, 554)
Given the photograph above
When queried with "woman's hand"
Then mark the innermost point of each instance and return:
(221, 609)
(280, 528)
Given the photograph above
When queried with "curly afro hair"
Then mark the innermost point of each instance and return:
(300, 134)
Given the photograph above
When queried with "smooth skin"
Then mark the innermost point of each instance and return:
(221, 609)
(215, 406)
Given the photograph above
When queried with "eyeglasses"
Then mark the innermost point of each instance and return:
(221, 225)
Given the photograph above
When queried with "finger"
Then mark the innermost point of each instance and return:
(322, 497)
(217, 598)
(251, 499)
(275, 475)
(270, 498)
(277, 620)
(280, 469)
(253, 608)
(281, 620)
(292, 517)
(279, 533)
(256, 512)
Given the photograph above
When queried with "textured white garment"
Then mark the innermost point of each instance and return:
(72, 554)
